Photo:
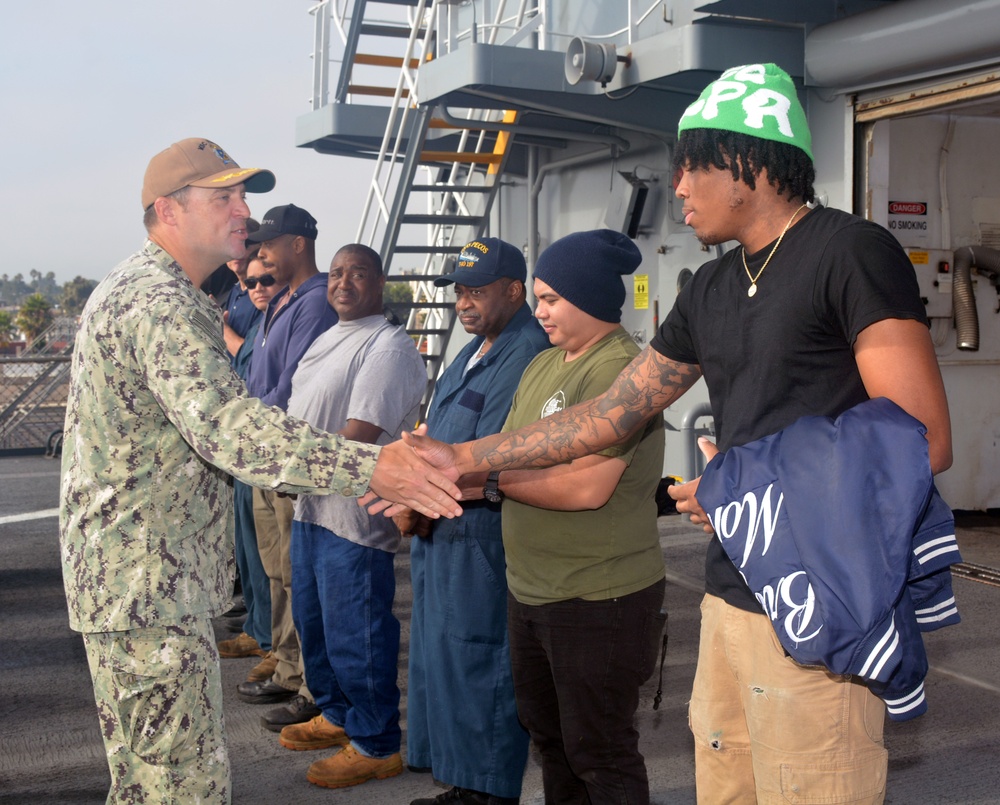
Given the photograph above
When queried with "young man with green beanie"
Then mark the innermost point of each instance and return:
(584, 565)
(815, 312)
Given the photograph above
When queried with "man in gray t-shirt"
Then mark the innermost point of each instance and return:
(362, 378)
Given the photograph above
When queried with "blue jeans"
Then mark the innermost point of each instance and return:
(578, 666)
(342, 606)
(253, 577)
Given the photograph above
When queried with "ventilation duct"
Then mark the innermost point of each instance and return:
(902, 39)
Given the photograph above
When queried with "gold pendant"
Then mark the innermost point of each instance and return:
(752, 290)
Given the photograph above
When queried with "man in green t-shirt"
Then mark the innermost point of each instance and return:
(584, 564)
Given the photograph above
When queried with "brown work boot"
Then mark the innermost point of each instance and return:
(350, 767)
(317, 733)
(264, 669)
(240, 646)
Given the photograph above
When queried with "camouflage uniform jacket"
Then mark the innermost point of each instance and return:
(155, 421)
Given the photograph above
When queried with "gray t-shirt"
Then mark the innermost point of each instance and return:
(367, 370)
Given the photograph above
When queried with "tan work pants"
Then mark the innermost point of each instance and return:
(768, 730)
(272, 515)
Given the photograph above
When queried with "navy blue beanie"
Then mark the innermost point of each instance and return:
(586, 269)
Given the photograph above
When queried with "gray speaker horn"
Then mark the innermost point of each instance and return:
(589, 60)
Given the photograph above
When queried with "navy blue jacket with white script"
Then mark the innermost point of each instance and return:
(837, 528)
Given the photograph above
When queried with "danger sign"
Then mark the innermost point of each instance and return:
(907, 208)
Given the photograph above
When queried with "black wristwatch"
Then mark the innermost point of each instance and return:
(492, 489)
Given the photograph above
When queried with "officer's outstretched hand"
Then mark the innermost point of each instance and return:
(685, 494)
(402, 479)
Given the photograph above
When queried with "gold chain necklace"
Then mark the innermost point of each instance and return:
(753, 280)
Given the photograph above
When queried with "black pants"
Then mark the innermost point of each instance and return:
(578, 666)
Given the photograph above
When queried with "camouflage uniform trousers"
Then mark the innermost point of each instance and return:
(159, 700)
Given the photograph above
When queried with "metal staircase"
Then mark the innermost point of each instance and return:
(436, 171)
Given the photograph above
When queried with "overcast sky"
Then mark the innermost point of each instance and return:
(91, 89)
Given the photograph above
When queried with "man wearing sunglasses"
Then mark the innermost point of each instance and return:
(264, 281)
(292, 321)
(240, 313)
(254, 639)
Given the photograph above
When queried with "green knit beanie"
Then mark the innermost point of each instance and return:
(755, 99)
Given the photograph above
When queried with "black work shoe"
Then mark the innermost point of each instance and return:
(238, 608)
(266, 692)
(298, 711)
(465, 796)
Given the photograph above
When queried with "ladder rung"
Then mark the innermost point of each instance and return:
(430, 218)
(381, 92)
(428, 249)
(400, 31)
(383, 61)
(438, 123)
(455, 188)
(422, 305)
(461, 156)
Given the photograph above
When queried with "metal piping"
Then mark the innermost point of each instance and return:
(694, 460)
(568, 162)
(532, 255)
(966, 316)
(900, 39)
(536, 176)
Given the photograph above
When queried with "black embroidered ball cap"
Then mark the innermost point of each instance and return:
(285, 220)
(484, 261)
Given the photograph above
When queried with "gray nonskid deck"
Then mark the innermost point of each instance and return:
(51, 751)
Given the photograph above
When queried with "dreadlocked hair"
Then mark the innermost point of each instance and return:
(789, 169)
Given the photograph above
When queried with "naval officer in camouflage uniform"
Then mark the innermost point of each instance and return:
(156, 419)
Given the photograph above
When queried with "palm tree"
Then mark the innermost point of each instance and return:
(34, 317)
(6, 329)
(75, 294)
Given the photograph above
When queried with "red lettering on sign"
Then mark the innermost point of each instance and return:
(907, 208)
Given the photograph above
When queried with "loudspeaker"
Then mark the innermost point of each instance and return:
(589, 60)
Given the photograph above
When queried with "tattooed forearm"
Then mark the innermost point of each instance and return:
(644, 388)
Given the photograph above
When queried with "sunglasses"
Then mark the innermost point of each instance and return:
(264, 280)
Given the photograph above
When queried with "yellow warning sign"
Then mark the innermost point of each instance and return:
(920, 258)
(641, 286)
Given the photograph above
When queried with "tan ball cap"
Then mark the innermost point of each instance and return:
(197, 162)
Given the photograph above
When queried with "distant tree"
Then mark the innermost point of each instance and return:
(394, 293)
(397, 292)
(46, 285)
(34, 317)
(75, 294)
(7, 330)
(13, 289)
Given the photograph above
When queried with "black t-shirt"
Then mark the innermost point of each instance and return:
(786, 352)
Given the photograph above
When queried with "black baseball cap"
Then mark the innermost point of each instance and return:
(484, 261)
(285, 220)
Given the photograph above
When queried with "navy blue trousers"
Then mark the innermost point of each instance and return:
(253, 578)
